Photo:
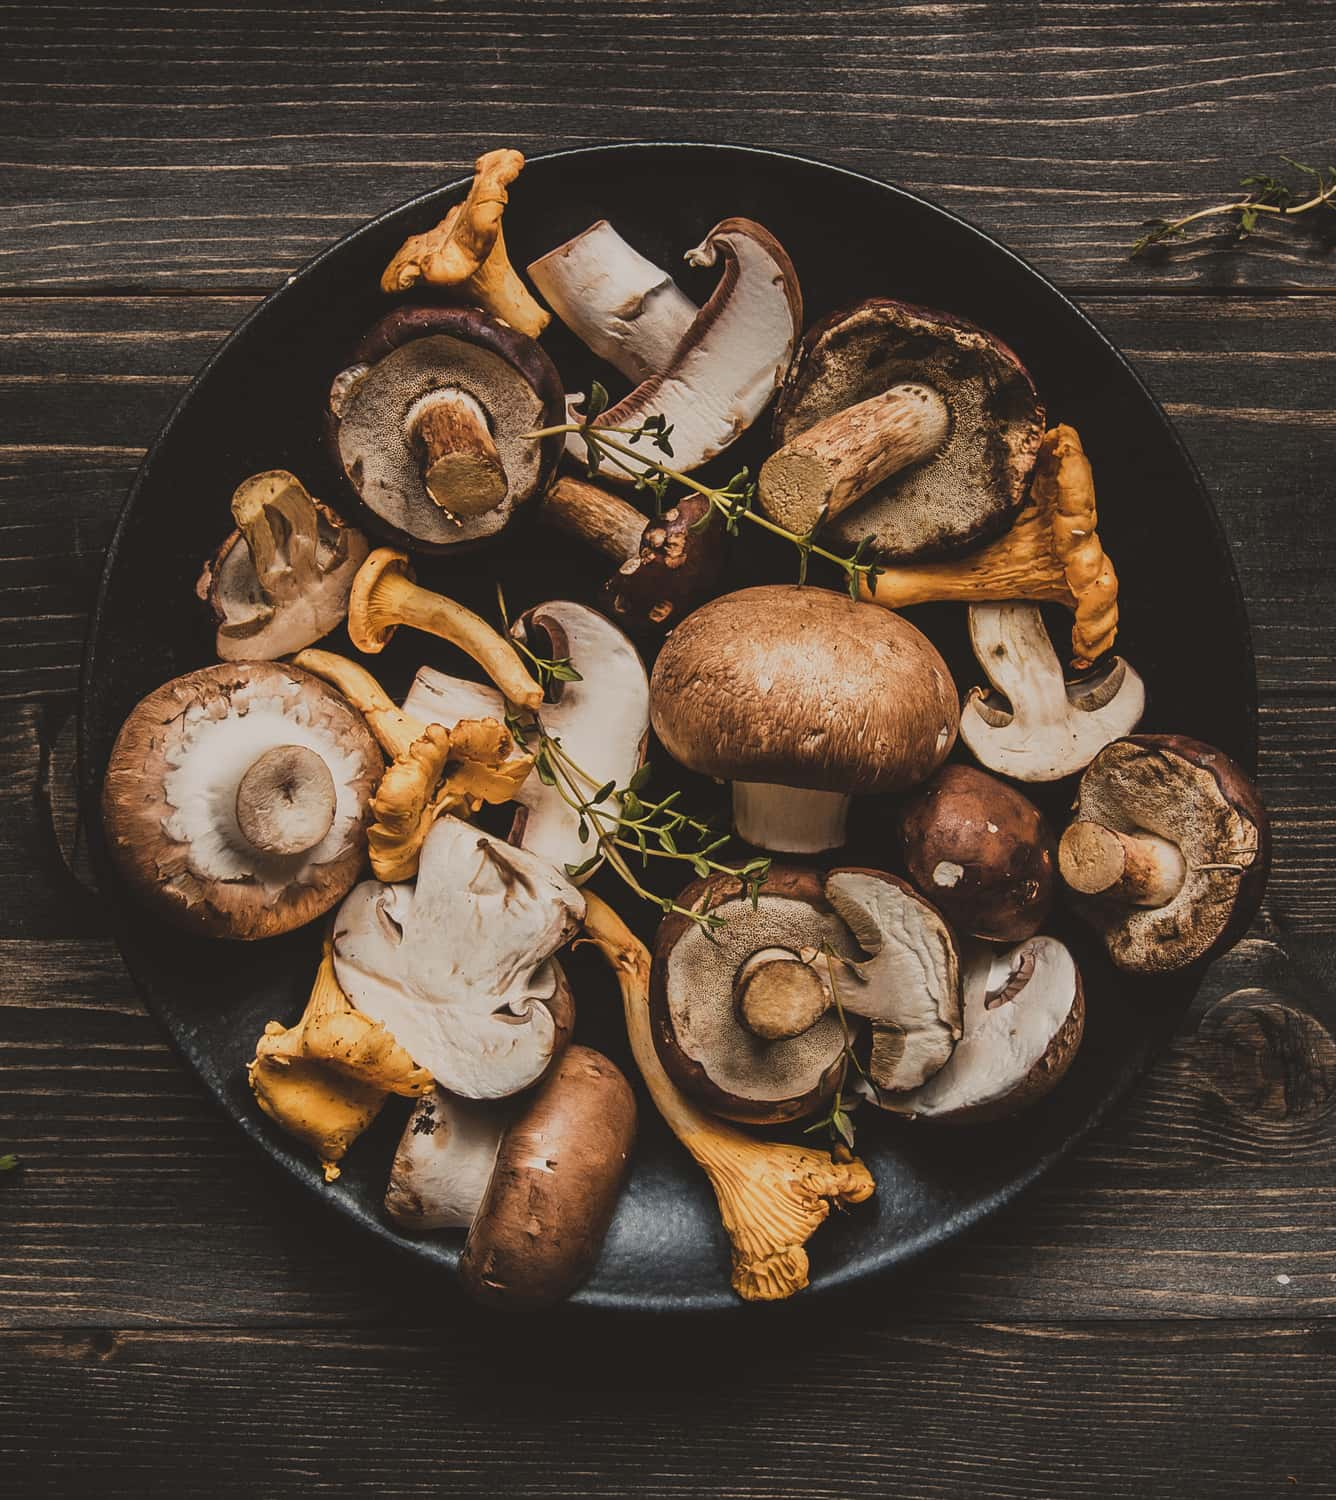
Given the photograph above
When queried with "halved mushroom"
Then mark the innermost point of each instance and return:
(803, 699)
(731, 359)
(601, 719)
(466, 251)
(629, 311)
(1167, 858)
(981, 852)
(1024, 1019)
(1036, 726)
(459, 965)
(429, 421)
(1051, 554)
(236, 799)
(903, 424)
(534, 1183)
(667, 563)
(281, 579)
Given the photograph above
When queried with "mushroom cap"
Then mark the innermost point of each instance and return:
(444, 1161)
(799, 686)
(975, 482)
(680, 558)
(551, 1196)
(1197, 798)
(410, 353)
(169, 798)
(981, 852)
(700, 1039)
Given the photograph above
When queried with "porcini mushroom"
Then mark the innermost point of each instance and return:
(429, 421)
(666, 564)
(459, 964)
(1024, 1019)
(236, 799)
(279, 581)
(803, 699)
(730, 360)
(905, 425)
(466, 251)
(981, 852)
(1167, 856)
(534, 1183)
(629, 311)
(1034, 725)
(1051, 554)
(772, 1196)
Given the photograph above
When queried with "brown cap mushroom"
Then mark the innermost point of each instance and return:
(981, 852)
(535, 1185)
(1168, 855)
(666, 564)
(429, 422)
(236, 799)
(902, 424)
(802, 698)
(466, 251)
(280, 581)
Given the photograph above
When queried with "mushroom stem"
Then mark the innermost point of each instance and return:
(789, 820)
(594, 516)
(1139, 868)
(778, 996)
(286, 801)
(772, 1197)
(823, 470)
(461, 468)
(395, 730)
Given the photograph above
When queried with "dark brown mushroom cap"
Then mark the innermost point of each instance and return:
(679, 561)
(702, 1043)
(970, 489)
(981, 852)
(560, 1166)
(799, 686)
(283, 892)
(1196, 797)
(415, 350)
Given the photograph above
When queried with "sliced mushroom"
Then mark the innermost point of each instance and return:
(601, 719)
(1052, 554)
(731, 359)
(535, 1183)
(666, 564)
(459, 965)
(236, 799)
(803, 699)
(626, 309)
(466, 251)
(429, 421)
(981, 852)
(1168, 855)
(280, 581)
(1036, 726)
(906, 425)
(1024, 1019)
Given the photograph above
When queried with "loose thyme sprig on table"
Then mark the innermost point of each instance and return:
(1264, 194)
(732, 501)
(634, 827)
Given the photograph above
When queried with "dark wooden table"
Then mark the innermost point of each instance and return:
(1155, 1320)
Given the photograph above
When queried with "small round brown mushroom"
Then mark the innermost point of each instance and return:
(903, 424)
(429, 422)
(982, 852)
(535, 1187)
(236, 799)
(1168, 854)
(803, 699)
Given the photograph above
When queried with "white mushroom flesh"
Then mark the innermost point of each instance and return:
(444, 1161)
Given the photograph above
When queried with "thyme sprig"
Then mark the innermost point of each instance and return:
(734, 502)
(1263, 194)
(836, 1120)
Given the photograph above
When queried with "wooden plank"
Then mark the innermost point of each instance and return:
(218, 147)
(807, 1410)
